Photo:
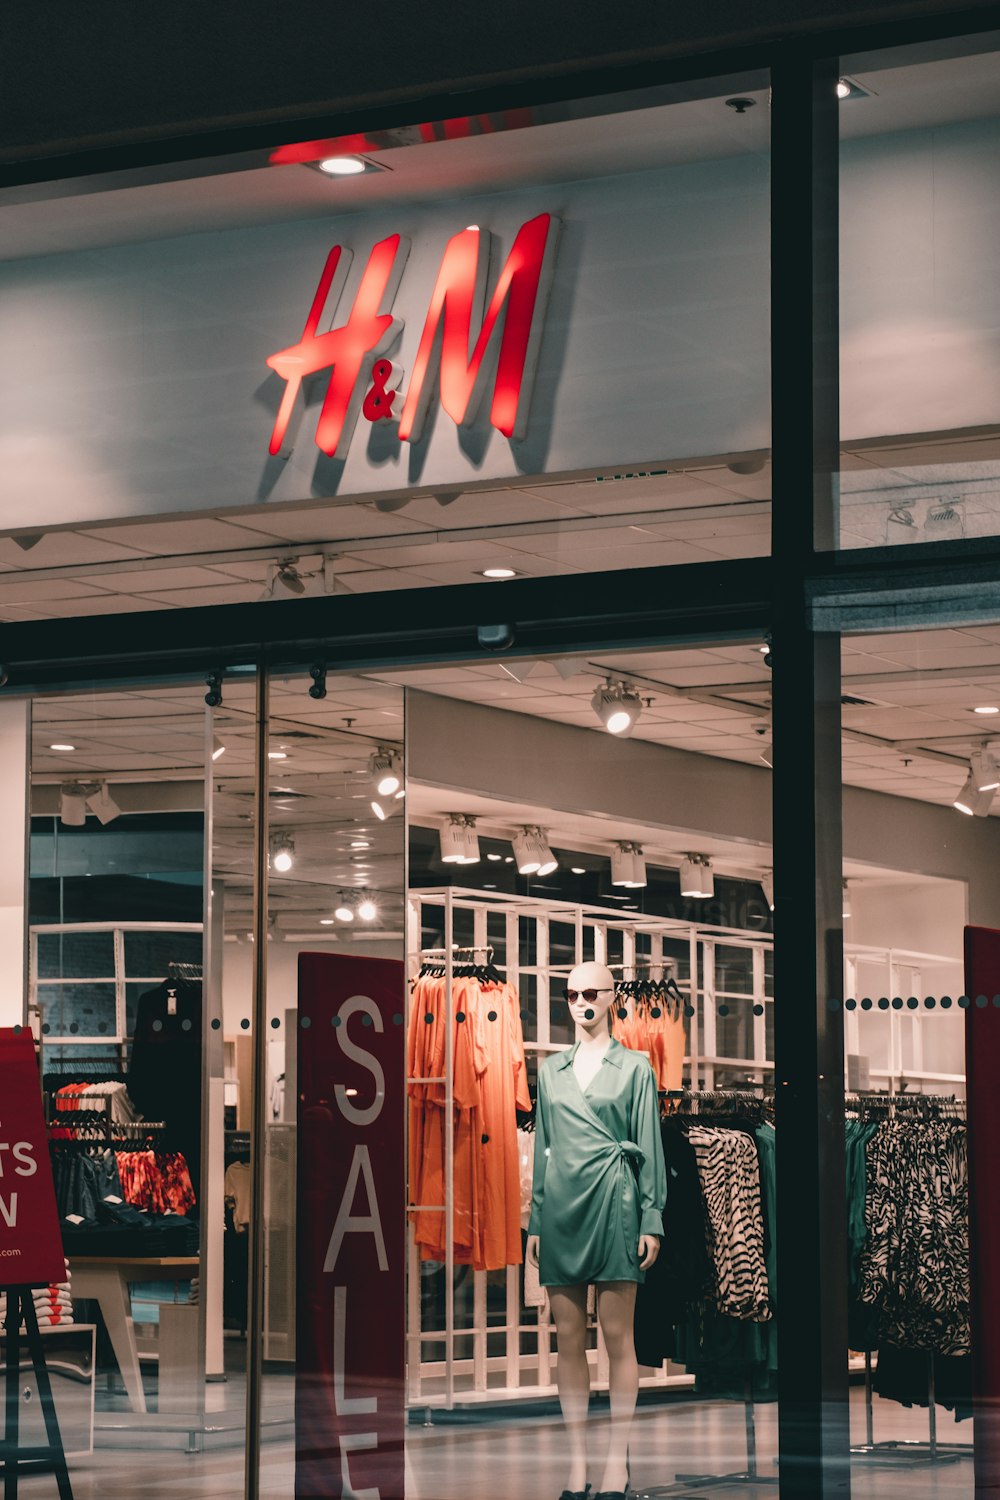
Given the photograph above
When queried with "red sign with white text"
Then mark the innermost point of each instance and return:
(31, 1252)
(350, 1412)
(355, 353)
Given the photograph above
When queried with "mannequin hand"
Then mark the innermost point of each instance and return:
(531, 1250)
(649, 1249)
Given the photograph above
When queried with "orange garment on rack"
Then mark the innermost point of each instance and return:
(427, 1059)
(490, 1084)
(504, 1088)
(657, 1028)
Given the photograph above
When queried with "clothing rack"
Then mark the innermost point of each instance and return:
(908, 1452)
(184, 971)
(732, 1104)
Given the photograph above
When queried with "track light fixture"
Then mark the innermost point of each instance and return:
(214, 695)
(318, 674)
(103, 805)
(984, 770)
(282, 853)
(284, 574)
(976, 797)
(386, 807)
(618, 707)
(72, 805)
(459, 840)
(628, 866)
(697, 879)
(532, 853)
(342, 911)
(767, 886)
(385, 767)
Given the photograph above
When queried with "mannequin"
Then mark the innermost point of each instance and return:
(598, 1194)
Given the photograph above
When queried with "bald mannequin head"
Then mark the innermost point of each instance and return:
(591, 1014)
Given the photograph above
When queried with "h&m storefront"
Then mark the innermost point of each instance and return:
(508, 859)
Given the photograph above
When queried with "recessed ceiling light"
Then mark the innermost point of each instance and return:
(360, 844)
(499, 573)
(277, 755)
(472, 226)
(494, 858)
(326, 921)
(489, 887)
(508, 859)
(984, 708)
(73, 747)
(577, 870)
(342, 166)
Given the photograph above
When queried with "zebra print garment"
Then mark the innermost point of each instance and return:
(915, 1263)
(729, 1173)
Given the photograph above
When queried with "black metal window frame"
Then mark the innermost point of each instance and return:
(806, 594)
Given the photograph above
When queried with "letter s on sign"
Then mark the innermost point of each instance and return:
(360, 1114)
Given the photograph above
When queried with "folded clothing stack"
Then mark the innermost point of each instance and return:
(53, 1304)
(122, 1230)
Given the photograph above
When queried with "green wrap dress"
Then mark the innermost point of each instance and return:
(599, 1180)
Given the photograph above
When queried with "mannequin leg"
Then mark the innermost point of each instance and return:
(616, 1310)
(569, 1309)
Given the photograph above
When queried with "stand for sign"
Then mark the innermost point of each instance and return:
(15, 1460)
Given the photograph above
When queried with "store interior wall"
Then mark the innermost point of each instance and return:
(526, 758)
(14, 751)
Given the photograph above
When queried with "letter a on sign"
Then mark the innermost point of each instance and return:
(31, 1252)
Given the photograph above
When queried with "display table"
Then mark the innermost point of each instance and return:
(106, 1278)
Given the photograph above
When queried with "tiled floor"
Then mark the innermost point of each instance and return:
(524, 1460)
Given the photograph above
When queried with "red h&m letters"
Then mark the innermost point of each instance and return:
(443, 356)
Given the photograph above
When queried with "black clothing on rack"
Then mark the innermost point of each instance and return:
(164, 1076)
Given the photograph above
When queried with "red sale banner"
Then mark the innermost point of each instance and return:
(31, 1251)
(351, 1238)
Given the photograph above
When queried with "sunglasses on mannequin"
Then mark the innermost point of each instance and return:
(589, 995)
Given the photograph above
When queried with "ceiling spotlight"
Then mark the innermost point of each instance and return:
(846, 901)
(326, 921)
(360, 844)
(72, 805)
(843, 89)
(547, 861)
(628, 867)
(103, 805)
(65, 746)
(343, 912)
(342, 166)
(527, 853)
(499, 573)
(767, 886)
(985, 708)
(214, 695)
(385, 807)
(618, 707)
(697, 879)
(494, 858)
(386, 772)
(459, 841)
(367, 910)
(282, 853)
(984, 770)
(577, 870)
(277, 755)
(973, 802)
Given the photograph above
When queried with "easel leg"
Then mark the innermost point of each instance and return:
(37, 1349)
(12, 1412)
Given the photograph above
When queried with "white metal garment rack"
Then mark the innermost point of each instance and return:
(482, 1361)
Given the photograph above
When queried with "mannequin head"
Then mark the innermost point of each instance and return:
(591, 1016)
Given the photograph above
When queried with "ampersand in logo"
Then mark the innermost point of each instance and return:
(378, 402)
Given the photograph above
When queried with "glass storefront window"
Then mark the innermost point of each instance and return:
(919, 195)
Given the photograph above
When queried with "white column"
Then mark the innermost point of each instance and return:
(14, 820)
